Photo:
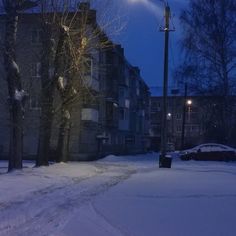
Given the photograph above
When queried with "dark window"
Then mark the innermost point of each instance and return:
(178, 116)
(122, 114)
(36, 36)
(36, 69)
(35, 102)
(109, 110)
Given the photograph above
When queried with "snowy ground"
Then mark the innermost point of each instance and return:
(118, 196)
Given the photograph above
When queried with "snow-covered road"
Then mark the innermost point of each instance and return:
(120, 196)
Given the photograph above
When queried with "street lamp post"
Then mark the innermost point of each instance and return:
(187, 103)
(163, 160)
(184, 116)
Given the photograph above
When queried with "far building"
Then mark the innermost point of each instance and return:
(177, 107)
(191, 120)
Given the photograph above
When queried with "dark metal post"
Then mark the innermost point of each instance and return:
(184, 116)
(165, 89)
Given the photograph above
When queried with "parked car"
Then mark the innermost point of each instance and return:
(209, 152)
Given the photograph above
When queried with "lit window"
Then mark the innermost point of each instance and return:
(89, 114)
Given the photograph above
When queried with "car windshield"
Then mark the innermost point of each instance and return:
(212, 147)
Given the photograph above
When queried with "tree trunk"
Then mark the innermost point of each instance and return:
(62, 86)
(64, 137)
(16, 94)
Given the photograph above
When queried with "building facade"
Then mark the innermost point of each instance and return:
(110, 115)
(191, 120)
(182, 131)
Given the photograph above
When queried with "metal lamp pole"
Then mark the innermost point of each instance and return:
(184, 116)
(166, 30)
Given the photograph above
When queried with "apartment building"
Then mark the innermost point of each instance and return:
(192, 120)
(111, 113)
(124, 117)
(177, 107)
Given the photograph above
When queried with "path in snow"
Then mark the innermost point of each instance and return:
(46, 211)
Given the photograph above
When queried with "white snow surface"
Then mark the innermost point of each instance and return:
(115, 196)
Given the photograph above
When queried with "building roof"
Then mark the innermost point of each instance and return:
(172, 91)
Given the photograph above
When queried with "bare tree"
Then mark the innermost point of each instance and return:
(16, 93)
(76, 36)
(209, 42)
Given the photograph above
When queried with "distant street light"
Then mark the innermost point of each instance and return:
(189, 102)
(169, 116)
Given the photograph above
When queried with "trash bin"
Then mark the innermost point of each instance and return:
(165, 161)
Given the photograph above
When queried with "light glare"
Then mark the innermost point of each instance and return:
(150, 6)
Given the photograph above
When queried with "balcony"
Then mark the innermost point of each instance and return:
(89, 114)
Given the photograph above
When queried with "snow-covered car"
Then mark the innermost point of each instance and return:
(209, 152)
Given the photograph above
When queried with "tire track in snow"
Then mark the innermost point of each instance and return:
(187, 196)
(108, 221)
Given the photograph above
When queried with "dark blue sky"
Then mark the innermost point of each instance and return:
(144, 43)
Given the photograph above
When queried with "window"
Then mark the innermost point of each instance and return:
(36, 36)
(121, 92)
(178, 116)
(108, 139)
(123, 114)
(195, 128)
(35, 102)
(155, 117)
(155, 106)
(36, 69)
(127, 103)
(109, 110)
(178, 128)
(89, 114)
(156, 130)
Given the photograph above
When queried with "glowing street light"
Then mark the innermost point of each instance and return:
(189, 102)
(169, 116)
(149, 5)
